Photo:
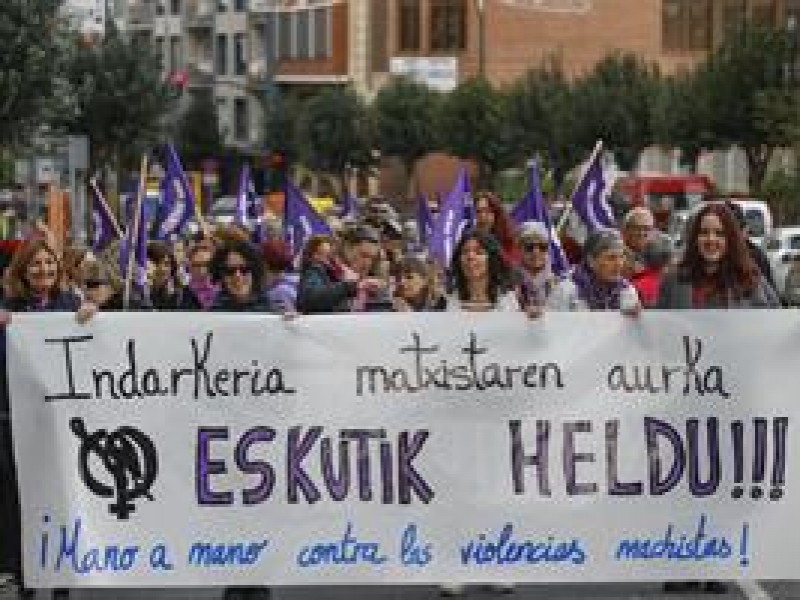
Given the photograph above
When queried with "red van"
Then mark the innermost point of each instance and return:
(663, 194)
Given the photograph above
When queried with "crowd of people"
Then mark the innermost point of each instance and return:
(373, 266)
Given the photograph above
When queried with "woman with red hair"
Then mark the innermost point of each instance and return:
(492, 219)
(717, 270)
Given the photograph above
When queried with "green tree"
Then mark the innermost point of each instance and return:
(743, 85)
(117, 98)
(334, 131)
(473, 124)
(31, 58)
(679, 117)
(405, 121)
(197, 133)
(541, 107)
(613, 103)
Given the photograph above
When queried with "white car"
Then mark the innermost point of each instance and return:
(783, 248)
(758, 217)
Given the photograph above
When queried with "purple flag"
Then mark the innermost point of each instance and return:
(104, 226)
(424, 219)
(177, 198)
(249, 210)
(590, 198)
(349, 207)
(451, 223)
(532, 207)
(139, 244)
(300, 220)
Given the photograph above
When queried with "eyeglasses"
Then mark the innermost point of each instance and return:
(93, 284)
(531, 246)
(240, 269)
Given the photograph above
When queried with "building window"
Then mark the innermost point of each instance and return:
(175, 7)
(765, 13)
(160, 9)
(734, 15)
(285, 34)
(321, 33)
(241, 123)
(221, 55)
(175, 57)
(448, 24)
(409, 19)
(686, 24)
(160, 52)
(239, 53)
(303, 34)
(222, 5)
(239, 5)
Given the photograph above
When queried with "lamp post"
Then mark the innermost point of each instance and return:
(480, 6)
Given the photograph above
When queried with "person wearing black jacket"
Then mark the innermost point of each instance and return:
(167, 292)
(237, 268)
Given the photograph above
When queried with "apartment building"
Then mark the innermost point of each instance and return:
(236, 50)
(504, 38)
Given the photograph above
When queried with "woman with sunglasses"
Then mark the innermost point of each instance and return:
(535, 278)
(238, 270)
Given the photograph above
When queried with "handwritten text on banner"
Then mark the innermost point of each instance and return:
(241, 449)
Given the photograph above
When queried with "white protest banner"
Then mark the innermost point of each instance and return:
(196, 449)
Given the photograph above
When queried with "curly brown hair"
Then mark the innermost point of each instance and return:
(737, 271)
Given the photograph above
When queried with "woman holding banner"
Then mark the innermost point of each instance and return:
(35, 282)
(597, 282)
(535, 278)
(480, 276)
(717, 269)
(418, 287)
(237, 268)
(167, 291)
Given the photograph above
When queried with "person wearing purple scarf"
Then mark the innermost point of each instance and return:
(200, 283)
(597, 283)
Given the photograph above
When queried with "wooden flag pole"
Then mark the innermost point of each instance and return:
(133, 236)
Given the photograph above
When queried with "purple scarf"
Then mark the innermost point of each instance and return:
(597, 295)
(205, 291)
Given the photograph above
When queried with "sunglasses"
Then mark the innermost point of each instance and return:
(531, 246)
(93, 284)
(240, 269)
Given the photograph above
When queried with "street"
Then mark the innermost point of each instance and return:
(778, 590)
